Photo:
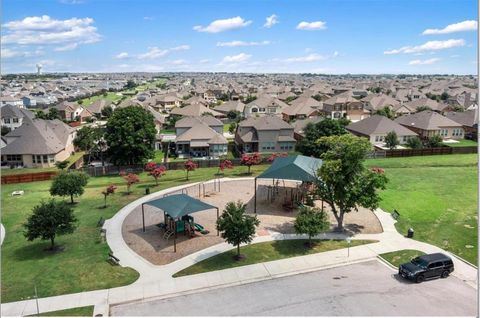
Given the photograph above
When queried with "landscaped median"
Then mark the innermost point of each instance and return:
(400, 257)
(266, 252)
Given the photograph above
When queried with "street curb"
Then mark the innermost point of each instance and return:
(241, 282)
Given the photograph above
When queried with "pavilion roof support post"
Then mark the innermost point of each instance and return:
(218, 233)
(143, 218)
(175, 237)
(255, 197)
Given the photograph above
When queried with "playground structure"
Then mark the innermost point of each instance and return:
(292, 196)
(176, 209)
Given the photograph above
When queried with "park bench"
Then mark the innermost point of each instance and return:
(100, 222)
(395, 214)
(113, 259)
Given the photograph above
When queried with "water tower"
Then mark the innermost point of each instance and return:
(39, 69)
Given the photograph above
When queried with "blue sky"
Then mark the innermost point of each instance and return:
(330, 36)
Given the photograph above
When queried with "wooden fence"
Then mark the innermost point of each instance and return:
(28, 177)
(429, 151)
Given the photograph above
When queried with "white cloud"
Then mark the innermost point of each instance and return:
(203, 61)
(122, 55)
(155, 52)
(271, 21)
(468, 25)
(313, 57)
(316, 25)
(179, 62)
(424, 62)
(239, 58)
(223, 25)
(241, 43)
(45, 30)
(7, 53)
(148, 18)
(428, 46)
(68, 47)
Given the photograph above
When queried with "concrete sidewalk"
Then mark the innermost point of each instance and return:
(157, 281)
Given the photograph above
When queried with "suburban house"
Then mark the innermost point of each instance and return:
(428, 123)
(265, 134)
(468, 119)
(299, 126)
(302, 107)
(200, 137)
(376, 128)
(233, 105)
(264, 105)
(38, 143)
(12, 116)
(345, 106)
(97, 106)
(9, 100)
(377, 102)
(195, 110)
(69, 111)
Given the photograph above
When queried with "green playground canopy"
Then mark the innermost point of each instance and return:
(297, 167)
(178, 205)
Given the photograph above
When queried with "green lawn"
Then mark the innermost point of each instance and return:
(226, 127)
(437, 197)
(265, 252)
(72, 312)
(462, 143)
(110, 96)
(82, 266)
(399, 257)
(72, 159)
(150, 85)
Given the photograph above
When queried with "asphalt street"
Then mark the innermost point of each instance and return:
(364, 289)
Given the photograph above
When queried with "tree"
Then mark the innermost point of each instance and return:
(172, 120)
(344, 183)
(5, 130)
(250, 98)
(225, 164)
(233, 115)
(48, 220)
(87, 138)
(444, 96)
(308, 146)
(434, 141)
(155, 170)
(80, 102)
(250, 160)
(386, 112)
(130, 179)
(70, 183)
(190, 166)
(62, 164)
(130, 136)
(130, 84)
(414, 143)
(53, 113)
(108, 191)
(236, 226)
(107, 111)
(311, 221)
(391, 140)
(232, 128)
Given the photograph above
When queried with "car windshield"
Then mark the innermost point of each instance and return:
(419, 262)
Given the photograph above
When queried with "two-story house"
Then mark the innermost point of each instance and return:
(12, 116)
(265, 134)
(429, 123)
(264, 105)
(345, 106)
(200, 136)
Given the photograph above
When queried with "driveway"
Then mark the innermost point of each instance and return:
(364, 289)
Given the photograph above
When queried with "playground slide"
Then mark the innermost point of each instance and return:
(199, 228)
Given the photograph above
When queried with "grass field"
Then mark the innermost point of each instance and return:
(83, 265)
(72, 312)
(462, 143)
(110, 96)
(399, 257)
(437, 197)
(266, 252)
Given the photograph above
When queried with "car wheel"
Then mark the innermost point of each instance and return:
(445, 274)
(420, 278)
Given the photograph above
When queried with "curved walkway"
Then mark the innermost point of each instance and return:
(157, 281)
(2, 233)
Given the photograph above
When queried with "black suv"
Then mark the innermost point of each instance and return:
(427, 267)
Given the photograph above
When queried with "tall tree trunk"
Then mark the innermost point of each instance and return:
(71, 198)
(238, 251)
(105, 200)
(52, 241)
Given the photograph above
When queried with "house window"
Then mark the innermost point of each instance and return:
(14, 157)
(6, 120)
(254, 110)
(39, 159)
(262, 110)
(268, 146)
(443, 132)
(51, 158)
(33, 159)
(15, 120)
(45, 158)
(272, 110)
(286, 146)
